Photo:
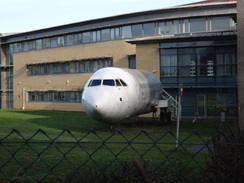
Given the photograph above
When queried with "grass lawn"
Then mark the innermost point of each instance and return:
(51, 155)
(29, 121)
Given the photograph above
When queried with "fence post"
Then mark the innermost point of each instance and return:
(179, 114)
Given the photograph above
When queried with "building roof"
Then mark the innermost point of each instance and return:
(119, 20)
(208, 2)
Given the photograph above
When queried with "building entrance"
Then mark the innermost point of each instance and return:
(202, 105)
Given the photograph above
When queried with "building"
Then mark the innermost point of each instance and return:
(193, 44)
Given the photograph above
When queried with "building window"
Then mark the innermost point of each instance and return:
(77, 39)
(176, 26)
(38, 44)
(136, 30)
(132, 61)
(70, 39)
(86, 37)
(55, 96)
(187, 65)
(225, 64)
(168, 27)
(126, 32)
(220, 23)
(168, 65)
(149, 29)
(105, 34)
(54, 42)
(25, 46)
(198, 59)
(83, 66)
(198, 25)
(161, 28)
(60, 41)
(123, 32)
(46, 43)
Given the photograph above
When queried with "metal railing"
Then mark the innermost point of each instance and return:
(119, 157)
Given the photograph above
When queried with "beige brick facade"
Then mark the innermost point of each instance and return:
(147, 56)
(117, 50)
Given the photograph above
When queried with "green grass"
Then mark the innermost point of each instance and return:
(49, 151)
(29, 121)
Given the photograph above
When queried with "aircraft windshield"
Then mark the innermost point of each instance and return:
(123, 83)
(107, 82)
(95, 82)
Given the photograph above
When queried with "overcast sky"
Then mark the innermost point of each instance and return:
(28, 15)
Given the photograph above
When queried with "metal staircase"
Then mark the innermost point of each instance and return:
(168, 102)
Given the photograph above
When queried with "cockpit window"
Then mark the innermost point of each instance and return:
(108, 82)
(95, 82)
(118, 82)
(123, 83)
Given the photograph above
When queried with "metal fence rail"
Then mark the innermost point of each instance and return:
(98, 157)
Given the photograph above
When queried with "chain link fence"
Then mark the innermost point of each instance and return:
(118, 157)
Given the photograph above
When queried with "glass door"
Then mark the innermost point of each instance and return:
(201, 105)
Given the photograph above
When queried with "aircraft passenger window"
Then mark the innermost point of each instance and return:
(108, 82)
(123, 83)
(118, 82)
(95, 82)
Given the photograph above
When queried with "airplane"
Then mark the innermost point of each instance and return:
(113, 94)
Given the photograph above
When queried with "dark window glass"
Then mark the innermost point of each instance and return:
(96, 82)
(105, 34)
(98, 36)
(126, 32)
(86, 37)
(161, 28)
(16, 47)
(149, 29)
(54, 42)
(187, 65)
(38, 44)
(77, 38)
(94, 36)
(117, 33)
(74, 67)
(197, 24)
(118, 82)
(123, 83)
(205, 64)
(137, 30)
(44, 69)
(25, 46)
(70, 39)
(112, 34)
(176, 26)
(61, 41)
(184, 26)
(169, 65)
(57, 68)
(132, 62)
(168, 26)
(108, 82)
(82, 67)
(225, 64)
(47, 43)
(220, 23)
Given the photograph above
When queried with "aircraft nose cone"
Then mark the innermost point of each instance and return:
(97, 106)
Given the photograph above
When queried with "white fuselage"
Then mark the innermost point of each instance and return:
(113, 94)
